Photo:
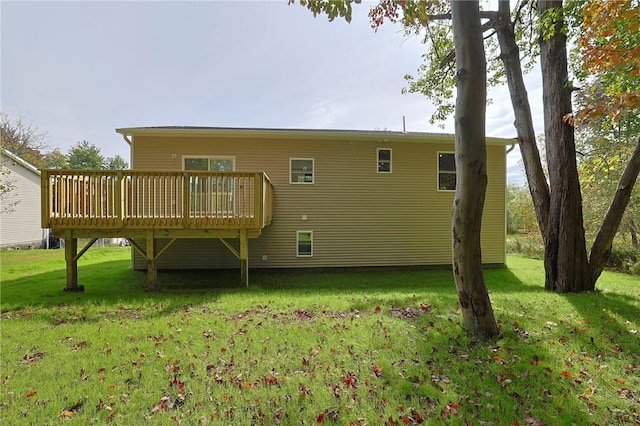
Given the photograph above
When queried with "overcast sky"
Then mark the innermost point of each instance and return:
(78, 70)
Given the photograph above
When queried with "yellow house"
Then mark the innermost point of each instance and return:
(210, 197)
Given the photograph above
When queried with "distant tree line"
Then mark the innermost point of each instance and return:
(28, 142)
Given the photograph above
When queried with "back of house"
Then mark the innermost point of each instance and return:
(341, 198)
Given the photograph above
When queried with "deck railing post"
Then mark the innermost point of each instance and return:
(186, 196)
(258, 202)
(120, 200)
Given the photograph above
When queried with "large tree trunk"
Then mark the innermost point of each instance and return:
(566, 264)
(471, 174)
(604, 240)
(510, 54)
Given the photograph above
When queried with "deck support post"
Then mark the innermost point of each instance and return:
(152, 271)
(70, 251)
(244, 258)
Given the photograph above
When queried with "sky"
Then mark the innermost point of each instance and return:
(79, 70)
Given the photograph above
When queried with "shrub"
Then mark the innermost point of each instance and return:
(625, 259)
(528, 245)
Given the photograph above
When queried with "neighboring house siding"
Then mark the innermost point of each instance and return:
(20, 227)
(359, 217)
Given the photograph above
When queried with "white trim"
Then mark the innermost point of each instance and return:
(378, 161)
(13, 157)
(298, 243)
(313, 171)
(439, 153)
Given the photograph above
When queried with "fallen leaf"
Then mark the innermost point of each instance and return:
(31, 394)
(164, 404)
(377, 370)
(499, 359)
(349, 381)
(34, 357)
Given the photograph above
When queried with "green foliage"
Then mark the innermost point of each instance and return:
(337, 347)
(332, 8)
(56, 159)
(521, 216)
(116, 163)
(625, 259)
(552, 21)
(528, 245)
(85, 156)
(605, 148)
(436, 77)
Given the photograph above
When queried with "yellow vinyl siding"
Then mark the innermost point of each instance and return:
(359, 217)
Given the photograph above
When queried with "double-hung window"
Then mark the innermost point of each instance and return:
(304, 243)
(301, 170)
(446, 171)
(384, 160)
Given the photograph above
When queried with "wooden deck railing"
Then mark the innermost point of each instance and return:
(105, 199)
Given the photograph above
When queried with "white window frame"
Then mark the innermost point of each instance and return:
(298, 233)
(378, 162)
(444, 171)
(291, 171)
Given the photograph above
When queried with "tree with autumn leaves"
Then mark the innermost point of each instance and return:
(609, 59)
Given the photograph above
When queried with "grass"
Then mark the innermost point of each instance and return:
(335, 347)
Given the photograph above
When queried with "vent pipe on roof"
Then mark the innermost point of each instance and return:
(404, 125)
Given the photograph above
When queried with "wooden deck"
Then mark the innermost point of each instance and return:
(147, 205)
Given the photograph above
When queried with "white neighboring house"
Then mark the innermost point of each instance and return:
(20, 222)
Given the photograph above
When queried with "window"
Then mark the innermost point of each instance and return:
(446, 171)
(304, 243)
(301, 170)
(384, 160)
(213, 164)
(211, 196)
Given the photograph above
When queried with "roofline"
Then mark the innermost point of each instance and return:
(279, 133)
(20, 161)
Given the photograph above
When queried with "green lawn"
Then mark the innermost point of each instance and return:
(369, 347)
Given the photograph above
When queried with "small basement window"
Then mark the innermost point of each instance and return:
(301, 170)
(304, 243)
(446, 171)
(384, 160)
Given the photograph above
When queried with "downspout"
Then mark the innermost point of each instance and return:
(129, 142)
